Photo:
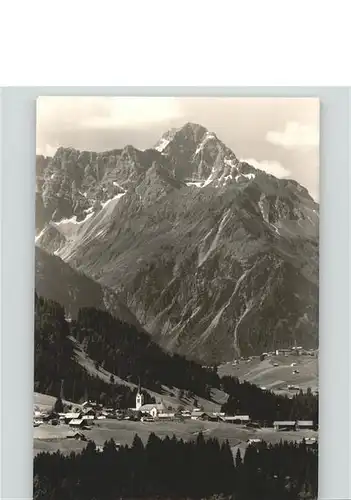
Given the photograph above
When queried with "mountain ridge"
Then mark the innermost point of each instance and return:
(213, 267)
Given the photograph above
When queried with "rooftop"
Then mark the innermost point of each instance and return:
(284, 422)
(76, 421)
(148, 407)
(71, 415)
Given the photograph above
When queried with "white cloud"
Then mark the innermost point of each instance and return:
(271, 167)
(103, 112)
(295, 135)
(46, 150)
(134, 111)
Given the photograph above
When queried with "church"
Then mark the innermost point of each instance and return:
(153, 409)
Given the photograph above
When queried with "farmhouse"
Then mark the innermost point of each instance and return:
(282, 351)
(89, 412)
(293, 388)
(89, 417)
(79, 436)
(204, 416)
(218, 414)
(284, 425)
(305, 424)
(89, 404)
(166, 416)
(71, 416)
(254, 441)
(197, 414)
(311, 441)
(77, 423)
(211, 417)
(236, 419)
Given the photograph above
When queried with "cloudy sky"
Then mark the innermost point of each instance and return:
(279, 135)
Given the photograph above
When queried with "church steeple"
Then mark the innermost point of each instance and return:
(139, 398)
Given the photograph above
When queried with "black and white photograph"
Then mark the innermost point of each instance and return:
(176, 298)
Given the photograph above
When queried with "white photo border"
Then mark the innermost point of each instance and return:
(17, 230)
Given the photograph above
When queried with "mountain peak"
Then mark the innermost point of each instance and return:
(190, 132)
(193, 127)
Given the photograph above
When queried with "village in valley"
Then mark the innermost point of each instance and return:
(65, 426)
(176, 299)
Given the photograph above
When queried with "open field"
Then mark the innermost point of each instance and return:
(52, 438)
(276, 378)
(45, 402)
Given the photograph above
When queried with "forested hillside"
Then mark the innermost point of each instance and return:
(133, 356)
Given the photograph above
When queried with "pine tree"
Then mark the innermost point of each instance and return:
(58, 406)
(137, 444)
(238, 459)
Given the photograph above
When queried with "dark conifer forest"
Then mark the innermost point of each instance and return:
(265, 406)
(174, 469)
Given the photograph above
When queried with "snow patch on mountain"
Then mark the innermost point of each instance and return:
(249, 176)
(208, 136)
(117, 197)
(40, 234)
(229, 162)
(210, 178)
(118, 185)
(162, 145)
(247, 309)
(73, 220)
(195, 183)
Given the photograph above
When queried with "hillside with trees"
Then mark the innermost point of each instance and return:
(132, 355)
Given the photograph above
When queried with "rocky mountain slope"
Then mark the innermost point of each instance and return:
(55, 280)
(214, 258)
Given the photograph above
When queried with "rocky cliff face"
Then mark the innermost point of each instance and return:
(57, 281)
(214, 257)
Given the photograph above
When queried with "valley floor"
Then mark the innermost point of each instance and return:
(51, 438)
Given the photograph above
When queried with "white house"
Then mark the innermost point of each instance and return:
(153, 409)
(77, 422)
